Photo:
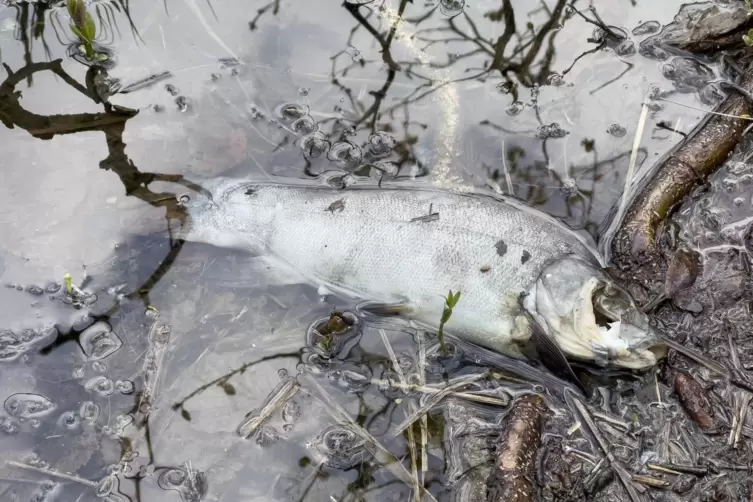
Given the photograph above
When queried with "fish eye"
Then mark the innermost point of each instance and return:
(184, 198)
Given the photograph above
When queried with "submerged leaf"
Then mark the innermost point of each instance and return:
(228, 388)
(184, 413)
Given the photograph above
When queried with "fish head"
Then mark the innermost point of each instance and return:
(592, 318)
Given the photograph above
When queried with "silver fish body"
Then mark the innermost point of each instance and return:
(411, 247)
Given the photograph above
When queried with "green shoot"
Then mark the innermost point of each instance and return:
(68, 284)
(84, 28)
(748, 38)
(450, 301)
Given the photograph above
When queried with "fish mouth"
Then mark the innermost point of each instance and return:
(619, 333)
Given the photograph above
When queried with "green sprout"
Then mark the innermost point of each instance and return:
(68, 284)
(84, 28)
(450, 301)
(748, 38)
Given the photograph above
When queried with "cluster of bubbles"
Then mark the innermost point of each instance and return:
(451, 8)
(98, 342)
(367, 160)
(720, 216)
(553, 130)
(24, 407)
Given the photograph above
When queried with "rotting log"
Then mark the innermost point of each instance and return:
(512, 479)
(689, 165)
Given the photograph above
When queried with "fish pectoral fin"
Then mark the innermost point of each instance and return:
(551, 355)
(402, 308)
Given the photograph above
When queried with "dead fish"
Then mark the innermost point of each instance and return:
(541, 273)
(513, 474)
(693, 398)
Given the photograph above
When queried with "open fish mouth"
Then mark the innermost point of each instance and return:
(623, 335)
(593, 319)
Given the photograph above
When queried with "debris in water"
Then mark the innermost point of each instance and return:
(553, 130)
(69, 420)
(514, 108)
(617, 130)
(98, 341)
(280, 395)
(145, 82)
(512, 479)
(330, 335)
(89, 411)
(693, 398)
(702, 27)
(700, 155)
(647, 28)
(182, 103)
(190, 484)
(651, 481)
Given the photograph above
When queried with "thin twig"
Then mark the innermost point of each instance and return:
(411, 438)
(633, 158)
(622, 474)
(508, 179)
(50, 472)
(424, 418)
(434, 400)
(284, 392)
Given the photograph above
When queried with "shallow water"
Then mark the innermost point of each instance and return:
(143, 387)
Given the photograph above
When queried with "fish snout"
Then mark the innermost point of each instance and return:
(631, 347)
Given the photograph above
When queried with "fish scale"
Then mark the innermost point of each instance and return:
(368, 244)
